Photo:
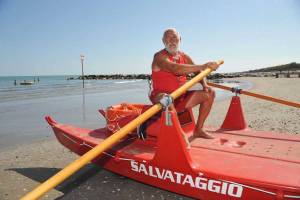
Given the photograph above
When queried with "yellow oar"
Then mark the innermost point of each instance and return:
(107, 143)
(260, 96)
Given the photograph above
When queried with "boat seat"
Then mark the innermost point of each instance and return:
(185, 118)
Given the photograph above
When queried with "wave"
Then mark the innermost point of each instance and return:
(131, 81)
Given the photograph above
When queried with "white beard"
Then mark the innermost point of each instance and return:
(172, 49)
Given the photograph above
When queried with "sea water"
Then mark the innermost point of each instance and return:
(23, 107)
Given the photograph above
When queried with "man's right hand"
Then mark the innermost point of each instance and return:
(212, 65)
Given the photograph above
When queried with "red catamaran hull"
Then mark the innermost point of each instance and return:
(236, 164)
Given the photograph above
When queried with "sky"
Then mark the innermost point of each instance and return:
(47, 37)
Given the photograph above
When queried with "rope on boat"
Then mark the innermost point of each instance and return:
(87, 145)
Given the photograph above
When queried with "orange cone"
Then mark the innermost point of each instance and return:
(234, 119)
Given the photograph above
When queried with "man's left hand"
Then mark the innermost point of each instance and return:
(207, 89)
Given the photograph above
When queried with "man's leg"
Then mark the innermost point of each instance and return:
(205, 99)
(156, 100)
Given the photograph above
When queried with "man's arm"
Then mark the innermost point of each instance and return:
(190, 61)
(163, 63)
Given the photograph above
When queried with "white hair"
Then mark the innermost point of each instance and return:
(170, 30)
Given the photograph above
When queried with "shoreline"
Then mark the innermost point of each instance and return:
(23, 120)
(24, 167)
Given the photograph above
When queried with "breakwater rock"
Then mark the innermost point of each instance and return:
(115, 76)
(147, 76)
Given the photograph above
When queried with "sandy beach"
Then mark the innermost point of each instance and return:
(24, 167)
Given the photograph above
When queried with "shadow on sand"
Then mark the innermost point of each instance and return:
(92, 182)
(41, 174)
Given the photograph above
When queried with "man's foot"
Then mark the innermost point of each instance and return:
(202, 134)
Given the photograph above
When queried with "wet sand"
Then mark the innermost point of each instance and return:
(24, 167)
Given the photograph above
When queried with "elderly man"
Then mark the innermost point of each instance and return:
(169, 69)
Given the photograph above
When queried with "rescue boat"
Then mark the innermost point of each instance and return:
(239, 163)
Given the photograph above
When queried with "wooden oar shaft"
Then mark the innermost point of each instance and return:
(107, 143)
(268, 98)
